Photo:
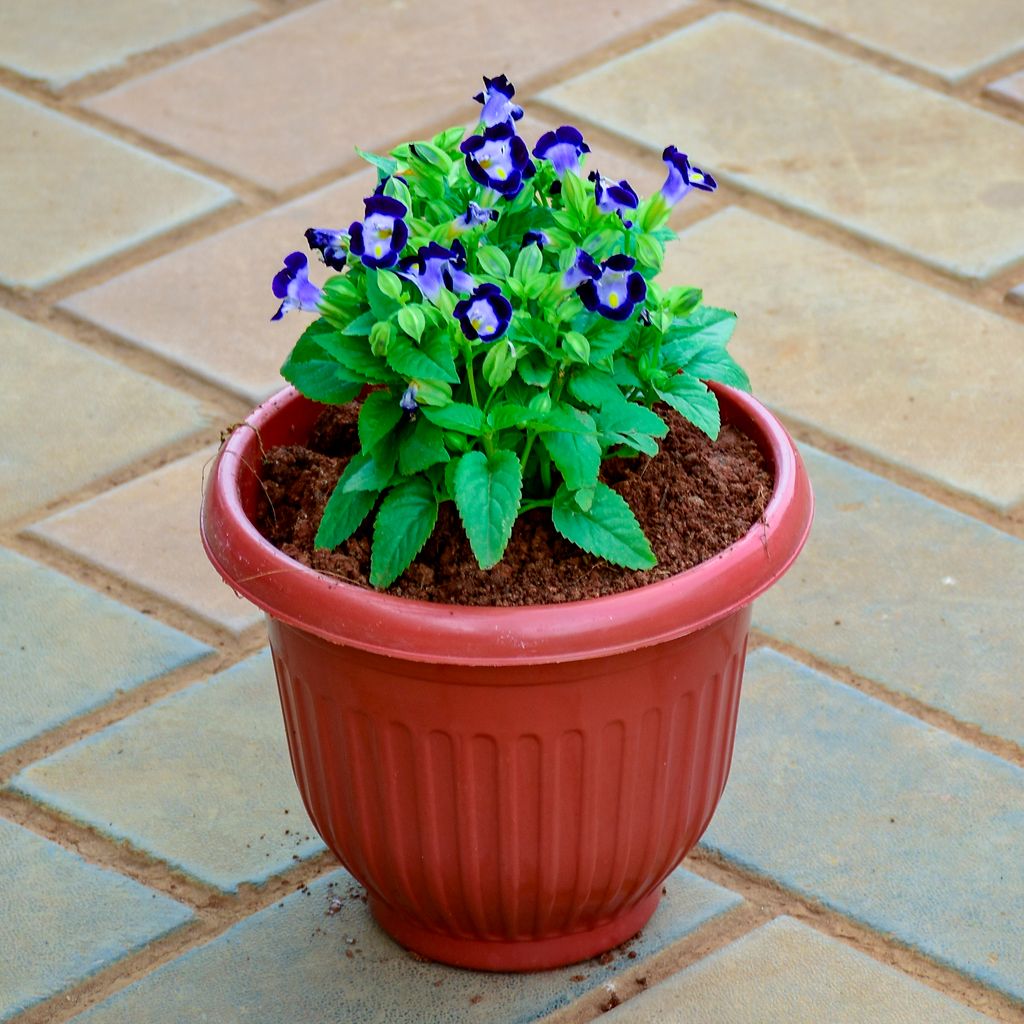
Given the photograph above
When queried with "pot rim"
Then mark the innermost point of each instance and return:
(424, 631)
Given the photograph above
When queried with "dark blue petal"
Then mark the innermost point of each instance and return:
(624, 195)
(636, 288)
(587, 291)
(386, 205)
(619, 262)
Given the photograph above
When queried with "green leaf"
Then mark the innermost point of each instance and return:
(466, 419)
(356, 356)
(382, 305)
(712, 363)
(633, 425)
(432, 359)
(449, 138)
(493, 261)
(649, 251)
(683, 301)
(528, 262)
(498, 364)
(389, 284)
(576, 451)
(311, 369)
(594, 387)
(379, 415)
(510, 415)
(609, 529)
(385, 164)
(420, 447)
(606, 337)
(404, 522)
(412, 321)
(433, 393)
(692, 400)
(397, 189)
(433, 156)
(487, 495)
(576, 347)
(344, 512)
(575, 195)
(372, 471)
(361, 326)
(535, 369)
(706, 325)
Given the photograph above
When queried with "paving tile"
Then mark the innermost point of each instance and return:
(200, 779)
(82, 196)
(869, 355)
(1017, 294)
(875, 814)
(64, 649)
(64, 919)
(824, 133)
(245, 106)
(947, 37)
(294, 961)
(156, 545)
(94, 37)
(224, 330)
(909, 593)
(785, 971)
(108, 416)
(1010, 88)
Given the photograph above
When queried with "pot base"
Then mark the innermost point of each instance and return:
(522, 955)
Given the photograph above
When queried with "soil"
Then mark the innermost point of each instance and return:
(693, 500)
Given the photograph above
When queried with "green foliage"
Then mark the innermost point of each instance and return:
(525, 420)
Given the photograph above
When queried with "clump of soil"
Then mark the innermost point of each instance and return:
(693, 500)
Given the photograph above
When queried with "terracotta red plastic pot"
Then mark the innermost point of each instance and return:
(511, 785)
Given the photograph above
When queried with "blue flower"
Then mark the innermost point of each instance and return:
(474, 217)
(563, 147)
(683, 176)
(380, 237)
(331, 245)
(408, 400)
(497, 101)
(616, 291)
(293, 287)
(582, 270)
(498, 159)
(434, 267)
(614, 197)
(485, 314)
(537, 238)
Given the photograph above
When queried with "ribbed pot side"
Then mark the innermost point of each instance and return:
(512, 818)
(511, 785)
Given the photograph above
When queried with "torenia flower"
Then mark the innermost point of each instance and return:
(537, 238)
(564, 147)
(474, 217)
(293, 286)
(583, 269)
(408, 400)
(616, 291)
(498, 159)
(682, 177)
(497, 101)
(434, 267)
(380, 237)
(331, 245)
(614, 196)
(485, 314)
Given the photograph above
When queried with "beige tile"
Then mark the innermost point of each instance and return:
(147, 531)
(61, 40)
(821, 132)
(949, 37)
(873, 357)
(288, 101)
(69, 416)
(1010, 88)
(74, 196)
(208, 305)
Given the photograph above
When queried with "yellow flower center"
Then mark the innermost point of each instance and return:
(613, 299)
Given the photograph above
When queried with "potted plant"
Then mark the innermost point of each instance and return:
(512, 785)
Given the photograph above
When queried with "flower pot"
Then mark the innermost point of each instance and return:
(511, 785)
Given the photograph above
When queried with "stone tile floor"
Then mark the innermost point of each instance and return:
(158, 157)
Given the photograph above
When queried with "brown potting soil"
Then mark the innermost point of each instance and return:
(693, 500)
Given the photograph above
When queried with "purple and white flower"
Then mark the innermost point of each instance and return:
(475, 216)
(682, 177)
(497, 101)
(615, 292)
(614, 196)
(380, 237)
(408, 400)
(564, 147)
(583, 269)
(434, 267)
(293, 286)
(330, 244)
(486, 314)
(498, 159)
